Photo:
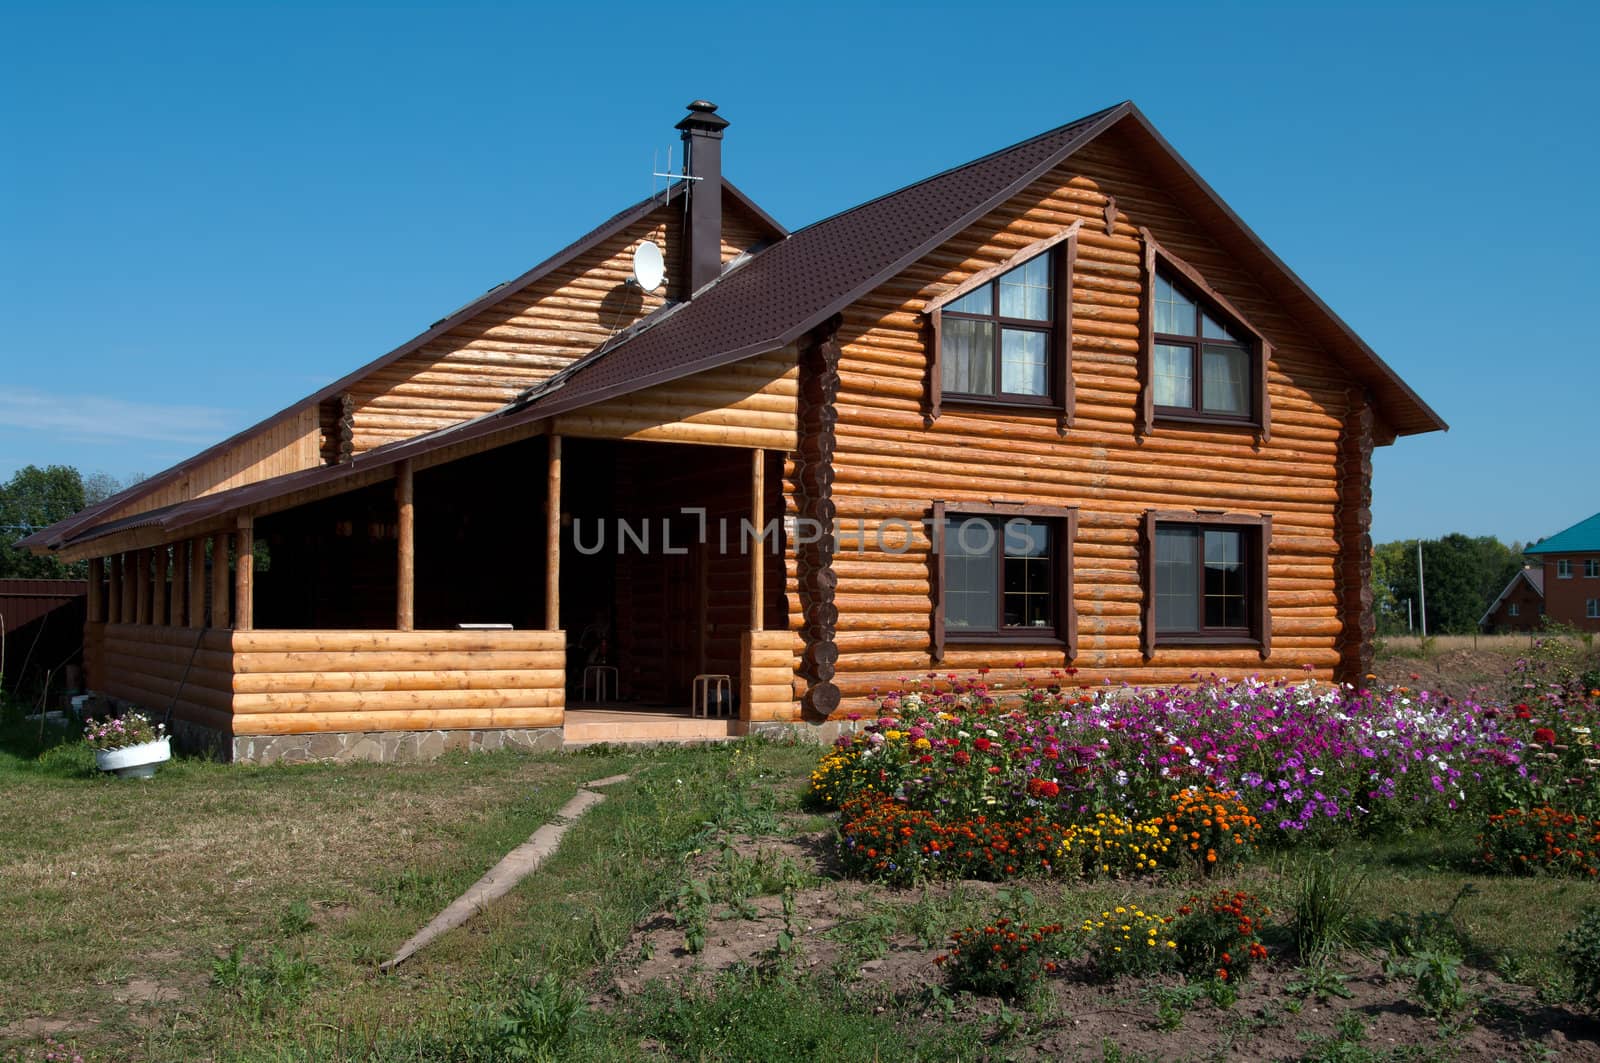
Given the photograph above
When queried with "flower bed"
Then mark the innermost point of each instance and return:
(955, 778)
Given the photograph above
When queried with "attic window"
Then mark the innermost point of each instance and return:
(1004, 336)
(1201, 360)
(1201, 366)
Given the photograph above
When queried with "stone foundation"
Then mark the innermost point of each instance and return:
(389, 747)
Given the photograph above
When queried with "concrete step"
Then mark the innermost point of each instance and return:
(644, 727)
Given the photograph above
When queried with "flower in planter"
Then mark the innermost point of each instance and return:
(120, 732)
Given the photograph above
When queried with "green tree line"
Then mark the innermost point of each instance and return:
(1462, 575)
(36, 498)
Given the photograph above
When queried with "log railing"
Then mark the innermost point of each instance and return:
(308, 682)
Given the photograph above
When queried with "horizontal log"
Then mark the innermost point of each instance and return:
(282, 641)
(423, 680)
(399, 661)
(361, 701)
(402, 720)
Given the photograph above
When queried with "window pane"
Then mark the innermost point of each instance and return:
(1176, 581)
(1028, 586)
(1174, 312)
(1212, 329)
(977, 301)
(1023, 368)
(1226, 388)
(966, 356)
(1225, 580)
(971, 573)
(1025, 291)
(1174, 376)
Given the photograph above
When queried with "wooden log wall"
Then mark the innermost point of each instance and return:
(746, 404)
(890, 462)
(155, 667)
(307, 682)
(487, 361)
(766, 687)
(289, 445)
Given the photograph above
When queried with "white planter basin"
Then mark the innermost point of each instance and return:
(134, 762)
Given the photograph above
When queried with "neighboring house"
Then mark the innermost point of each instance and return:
(1520, 607)
(1571, 560)
(1057, 408)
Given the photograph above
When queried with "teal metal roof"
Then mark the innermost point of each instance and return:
(1582, 537)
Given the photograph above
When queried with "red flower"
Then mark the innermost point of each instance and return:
(1524, 713)
(1043, 788)
(982, 745)
(961, 757)
(1545, 736)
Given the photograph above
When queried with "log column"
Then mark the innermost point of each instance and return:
(405, 579)
(552, 539)
(117, 613)
(244, 567)
(97, 572)
(158, 588)
(141, 586)
(758, 493)
(1354, 532)
(819, 390)
(197, 582)
(219, 580)
(180, 585)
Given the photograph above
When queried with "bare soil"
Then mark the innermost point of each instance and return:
(1272, 1019)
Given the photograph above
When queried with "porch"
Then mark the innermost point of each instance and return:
(269, 639)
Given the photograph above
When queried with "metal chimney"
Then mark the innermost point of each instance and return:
(702, 149)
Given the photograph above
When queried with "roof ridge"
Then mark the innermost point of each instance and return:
(1056, 131)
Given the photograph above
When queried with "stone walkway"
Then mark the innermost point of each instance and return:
(517, 865)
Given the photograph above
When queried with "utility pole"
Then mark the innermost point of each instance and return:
(1410, 626)
(1422, 592)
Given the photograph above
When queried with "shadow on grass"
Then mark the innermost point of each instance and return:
(40, 746)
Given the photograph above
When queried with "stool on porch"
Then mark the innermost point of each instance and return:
(602, 677)
(712, 692)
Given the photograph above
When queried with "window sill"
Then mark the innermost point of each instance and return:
(1044, 637)
(1249, 642)
(1210, 420)
(980, 401)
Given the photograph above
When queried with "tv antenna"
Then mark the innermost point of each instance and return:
(669, 173)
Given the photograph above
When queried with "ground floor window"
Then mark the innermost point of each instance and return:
(1206, 579)
(1005, 573)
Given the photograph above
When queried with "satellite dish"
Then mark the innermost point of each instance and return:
(648, 266)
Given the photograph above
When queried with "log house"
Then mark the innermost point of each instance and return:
(1056, 409)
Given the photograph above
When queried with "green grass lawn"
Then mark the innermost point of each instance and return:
(118, 898)
(237, 912)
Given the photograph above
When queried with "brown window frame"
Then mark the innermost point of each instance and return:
(1063, 251)
(1063, 521)
(1158, 260)
(1258, 546)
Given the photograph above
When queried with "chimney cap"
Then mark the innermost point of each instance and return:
(703, 117)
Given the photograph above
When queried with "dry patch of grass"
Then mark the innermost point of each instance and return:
(117, 897)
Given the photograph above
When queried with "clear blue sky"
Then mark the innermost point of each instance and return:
(208, 212)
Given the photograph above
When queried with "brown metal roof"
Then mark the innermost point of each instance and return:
(63, 531)
(797, 284)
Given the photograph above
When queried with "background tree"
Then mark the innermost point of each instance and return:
(36, 498)
(1463, 575)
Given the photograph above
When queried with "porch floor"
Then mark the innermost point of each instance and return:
(588, 725)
